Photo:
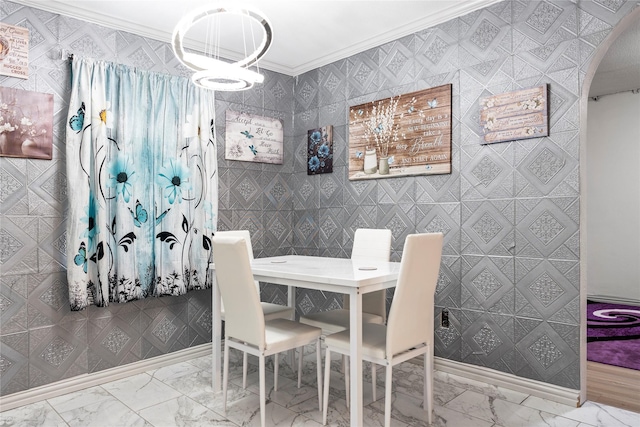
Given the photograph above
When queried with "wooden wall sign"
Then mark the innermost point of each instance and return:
(251, 138)
(401, 136)
(515, 115)
(14, 51)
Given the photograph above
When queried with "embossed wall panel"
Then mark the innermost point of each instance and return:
(14, 362)
(332, 83)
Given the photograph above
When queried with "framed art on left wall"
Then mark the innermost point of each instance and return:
(26, 124)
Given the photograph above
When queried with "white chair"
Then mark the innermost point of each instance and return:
(368, 245)
(409, 329)
(271, 311)
(246, 328)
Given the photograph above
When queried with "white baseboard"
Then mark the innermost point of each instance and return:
(547, 391)
(81, 382)
(613, 300)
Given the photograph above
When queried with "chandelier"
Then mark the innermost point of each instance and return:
(211, 72)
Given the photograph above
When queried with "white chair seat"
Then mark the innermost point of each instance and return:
(276, 311)
(335, 321)
(374, 340)
(285, 334)
(271, 311)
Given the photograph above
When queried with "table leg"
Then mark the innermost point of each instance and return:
(216, 337)
(291, 302)
(355, 350)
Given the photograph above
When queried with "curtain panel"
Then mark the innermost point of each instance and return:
(143, 183)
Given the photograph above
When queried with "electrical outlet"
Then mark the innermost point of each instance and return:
(444, 318)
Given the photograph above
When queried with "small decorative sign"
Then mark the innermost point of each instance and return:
(26, 124)
(251, 138)
(401, 136)
(515, 115)
(320, 150)
(14, 51)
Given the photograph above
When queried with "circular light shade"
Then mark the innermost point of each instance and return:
(226, 77)
(199, 62)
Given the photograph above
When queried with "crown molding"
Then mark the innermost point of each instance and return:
(74, 10)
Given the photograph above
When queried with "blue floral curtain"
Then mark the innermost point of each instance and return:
(142, 180)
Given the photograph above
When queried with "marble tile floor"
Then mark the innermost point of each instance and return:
(181, 395)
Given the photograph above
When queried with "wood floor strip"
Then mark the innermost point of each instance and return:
(613, 385)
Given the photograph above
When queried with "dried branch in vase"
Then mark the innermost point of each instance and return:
(378, 124)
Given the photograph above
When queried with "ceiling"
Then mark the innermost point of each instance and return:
(311, 33)
(619, 70)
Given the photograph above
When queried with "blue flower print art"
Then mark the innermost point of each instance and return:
(315, 137)
(314, 164)
(174, 177)
(121, 177)
(320, 150)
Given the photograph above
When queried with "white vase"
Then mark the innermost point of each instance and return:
(370, 162)
(30, 148)
(383, 167)
(4, 148)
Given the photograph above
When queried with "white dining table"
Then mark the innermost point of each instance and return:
(340, 275)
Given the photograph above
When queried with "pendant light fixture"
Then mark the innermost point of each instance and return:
(211, 72)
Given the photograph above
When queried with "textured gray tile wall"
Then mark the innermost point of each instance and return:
(41, 340)
(509, 211)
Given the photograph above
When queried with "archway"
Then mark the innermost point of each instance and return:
(623, 25)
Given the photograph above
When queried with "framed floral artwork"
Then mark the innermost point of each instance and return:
(320, 150)
(404, 135)
(251, 138)
(26, 124)
(510, 116)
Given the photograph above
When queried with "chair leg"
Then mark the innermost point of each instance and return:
(225, 375)
(373, 381)
(276, 365)
(263, 394)
(245, 364)
(319, 373)
(387, 396)
(428, 384)
(301, 350)
(327, 376)
(347, 383)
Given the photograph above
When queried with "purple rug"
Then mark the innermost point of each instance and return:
(613, 334)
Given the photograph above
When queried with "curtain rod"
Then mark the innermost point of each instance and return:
(596, 98)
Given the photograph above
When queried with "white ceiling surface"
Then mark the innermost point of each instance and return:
(619, 70)
(311, 33)
(307, 33)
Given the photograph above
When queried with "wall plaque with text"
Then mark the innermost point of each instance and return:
(14, 51)
(251, 138)
(515, 115)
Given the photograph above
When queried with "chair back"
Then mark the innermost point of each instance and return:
(410, 320)
(246, 235)
(244, 319)
(371, 245)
